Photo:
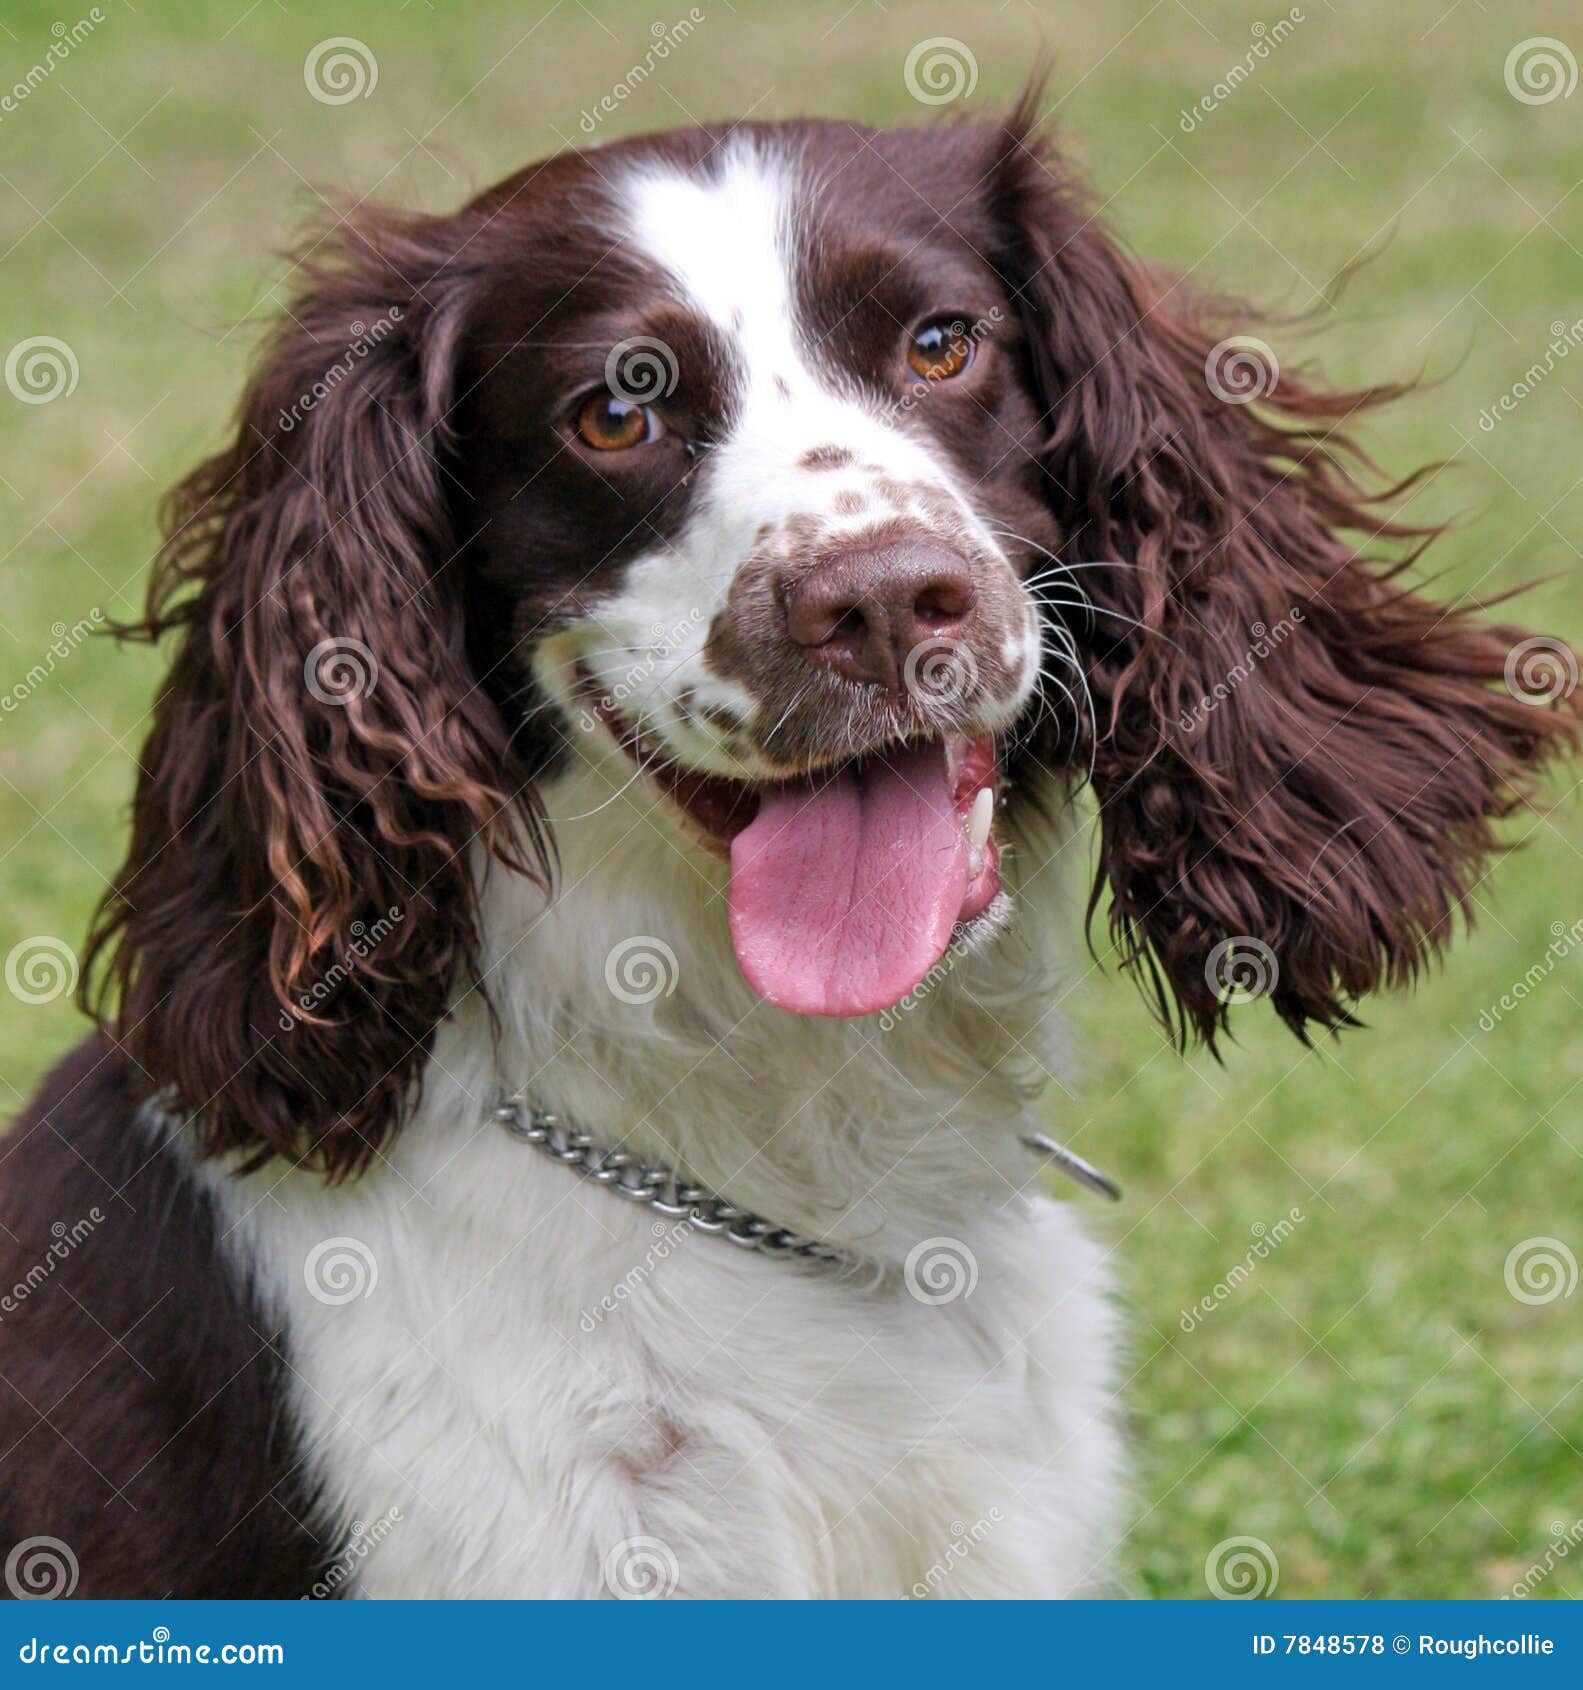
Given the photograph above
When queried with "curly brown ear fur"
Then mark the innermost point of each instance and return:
(1331, 799)
(297, 906)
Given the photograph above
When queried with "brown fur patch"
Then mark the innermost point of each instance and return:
(143, 1412)
(826, 457)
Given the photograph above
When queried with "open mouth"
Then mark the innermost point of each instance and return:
(848, 882)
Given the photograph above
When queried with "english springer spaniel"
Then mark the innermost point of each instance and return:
(565, 1115)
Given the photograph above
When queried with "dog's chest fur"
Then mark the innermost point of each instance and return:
(543, 1373)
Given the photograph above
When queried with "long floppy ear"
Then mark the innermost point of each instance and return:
(297, 907)
(1297, 759)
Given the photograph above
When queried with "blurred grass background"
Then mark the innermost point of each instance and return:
(1371, 1403)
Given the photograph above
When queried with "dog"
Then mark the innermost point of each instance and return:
(564, 1114)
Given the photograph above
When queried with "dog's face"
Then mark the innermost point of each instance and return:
(851, 491)
(751, 502)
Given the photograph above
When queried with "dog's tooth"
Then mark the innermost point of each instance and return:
(979, 819)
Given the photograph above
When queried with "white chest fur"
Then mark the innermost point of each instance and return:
(541, 1390)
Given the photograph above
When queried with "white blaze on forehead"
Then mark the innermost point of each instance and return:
(722, 231)
(728, 233)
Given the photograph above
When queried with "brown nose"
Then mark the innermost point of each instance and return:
(861, 612)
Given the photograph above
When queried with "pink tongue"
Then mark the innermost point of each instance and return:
(844, 890)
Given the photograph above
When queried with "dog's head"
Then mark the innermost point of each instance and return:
(854, 492)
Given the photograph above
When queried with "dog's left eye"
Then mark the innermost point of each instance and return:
(609, 424)
(940, 349)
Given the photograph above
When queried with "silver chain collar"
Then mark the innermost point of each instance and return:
(663, 1190)
(657, 1187)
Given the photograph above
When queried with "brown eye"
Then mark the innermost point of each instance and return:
(940, 349)
(609, 424)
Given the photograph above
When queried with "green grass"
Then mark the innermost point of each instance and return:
(1372, 1402)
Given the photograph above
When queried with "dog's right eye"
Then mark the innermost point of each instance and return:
(609, 424)
(940, 349)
